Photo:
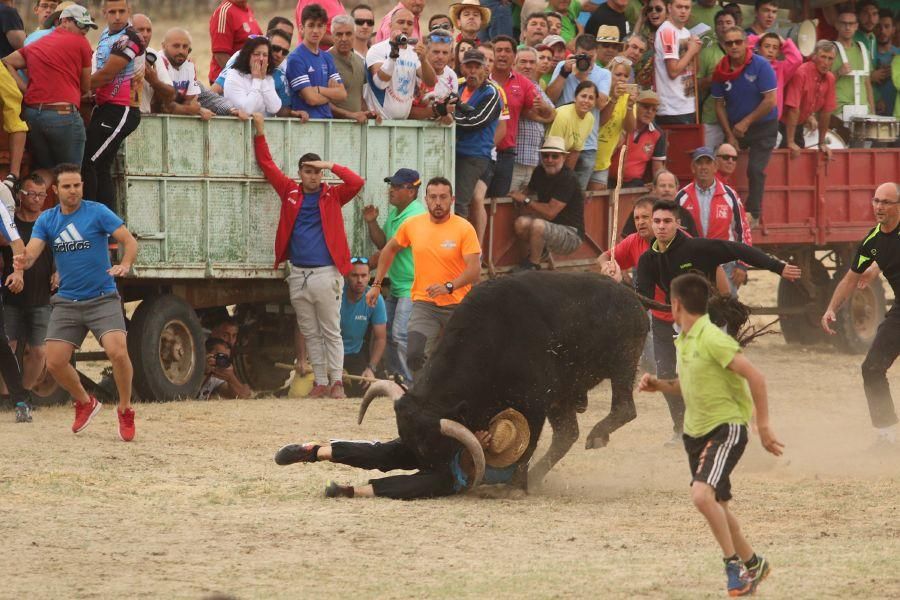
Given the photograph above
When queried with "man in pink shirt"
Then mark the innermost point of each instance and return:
(810, 99)
(332, 7)
(414, 6)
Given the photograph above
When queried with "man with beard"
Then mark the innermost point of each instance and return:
(867, 14)
(447, 261)
(176, 48)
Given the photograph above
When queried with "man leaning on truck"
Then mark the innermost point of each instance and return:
(311, 236)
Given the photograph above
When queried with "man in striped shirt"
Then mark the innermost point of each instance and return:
(230, 25)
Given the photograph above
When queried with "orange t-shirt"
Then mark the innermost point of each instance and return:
(438, 251)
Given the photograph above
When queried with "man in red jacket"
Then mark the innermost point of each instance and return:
(311, 236)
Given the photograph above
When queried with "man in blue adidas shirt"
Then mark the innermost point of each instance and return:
(78, 232)
(361, 355)
(311, 73)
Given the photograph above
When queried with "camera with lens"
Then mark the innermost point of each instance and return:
(582, 62)
(150, 57)
(441, 110)
(400, 41)
(222, 360)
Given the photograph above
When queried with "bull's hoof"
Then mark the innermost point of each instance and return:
(499, 492)
(599, 441)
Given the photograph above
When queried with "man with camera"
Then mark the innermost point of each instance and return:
(221, 380)
(393, 68)
(579, 67)
(439, 47)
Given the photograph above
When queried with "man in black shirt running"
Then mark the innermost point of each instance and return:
(674, 253)
(882, 247)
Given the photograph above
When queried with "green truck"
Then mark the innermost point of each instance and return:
(192, 194)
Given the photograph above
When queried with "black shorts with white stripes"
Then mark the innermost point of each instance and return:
(713, 457)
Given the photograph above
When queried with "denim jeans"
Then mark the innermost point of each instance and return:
(501, 20)
(54, 138)
(760, 139)
(584, 168)
(398, 312)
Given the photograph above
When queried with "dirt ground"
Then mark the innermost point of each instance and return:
(195, 505)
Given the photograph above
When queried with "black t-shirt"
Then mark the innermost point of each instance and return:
(563, 187)
(604, 15)
(37, 278)
(9, 21)
(884, 249)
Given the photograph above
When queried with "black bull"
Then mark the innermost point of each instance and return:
(536, 342)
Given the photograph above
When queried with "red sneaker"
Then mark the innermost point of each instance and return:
(319, 391)
(337, 390)
(84, 412)
(126, 424)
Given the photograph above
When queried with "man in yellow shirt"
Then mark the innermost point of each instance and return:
(447, 259)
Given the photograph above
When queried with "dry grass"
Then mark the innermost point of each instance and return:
(196, 505)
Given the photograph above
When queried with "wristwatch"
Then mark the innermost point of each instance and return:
(526, 201)
(449, 286)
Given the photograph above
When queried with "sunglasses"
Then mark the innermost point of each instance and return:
(733, 43)
(436, 26)
(361, 22)
(620, 60)
(655, 9)
(728, 157)
(440, 38)
(280, 49)
(359, 260)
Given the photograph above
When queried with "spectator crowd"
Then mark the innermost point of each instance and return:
(543, 96)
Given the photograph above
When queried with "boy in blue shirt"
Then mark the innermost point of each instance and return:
(78, 232)
(745, 89)
(311, 73)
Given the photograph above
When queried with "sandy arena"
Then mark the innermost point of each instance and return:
(196, 506)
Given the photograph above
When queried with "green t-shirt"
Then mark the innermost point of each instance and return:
(402, 271)
(569, 29)
(713, 394)
(868, 40)
(895, 77)
(701, 14)
(709, 58)
(844, 85)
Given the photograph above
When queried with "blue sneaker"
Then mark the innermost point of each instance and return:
(738, 584)
(23, 412)
(758, 573)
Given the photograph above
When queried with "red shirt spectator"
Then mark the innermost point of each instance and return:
(810, 92)
(55, 64)
(520, 95)
(644, 145)
(230, 25)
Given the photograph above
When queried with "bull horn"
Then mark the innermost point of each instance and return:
(461, 434)
(379, 388)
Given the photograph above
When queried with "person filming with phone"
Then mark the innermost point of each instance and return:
(220, 380)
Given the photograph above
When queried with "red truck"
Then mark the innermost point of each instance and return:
(815, 212)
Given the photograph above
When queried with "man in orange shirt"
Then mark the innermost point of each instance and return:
(447, 259)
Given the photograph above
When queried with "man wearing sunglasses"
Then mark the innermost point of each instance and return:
(726, 162)
(880, 247)
(364, 19)
(404, 204)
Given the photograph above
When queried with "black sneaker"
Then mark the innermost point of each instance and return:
(294, 453)
(335, 490)
(23, 412)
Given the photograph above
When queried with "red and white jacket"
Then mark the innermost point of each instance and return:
(727, 218)
(332, 198)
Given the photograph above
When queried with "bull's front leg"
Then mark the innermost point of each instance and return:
(621, 411)
(564, 422)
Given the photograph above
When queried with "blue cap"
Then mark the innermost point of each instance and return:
(404, 177)
(703, 151)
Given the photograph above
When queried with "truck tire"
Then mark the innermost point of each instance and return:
(264, 340)
(804, 328)
(859, 318)
(165, 342)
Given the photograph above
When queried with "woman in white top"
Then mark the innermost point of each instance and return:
(249, 84)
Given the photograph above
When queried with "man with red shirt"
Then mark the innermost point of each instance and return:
(230, 25)
(311, 235)
(522, 99)
(646, 145)
(59, 69)
(809, 99)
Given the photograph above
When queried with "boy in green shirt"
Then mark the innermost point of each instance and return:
(717, 382)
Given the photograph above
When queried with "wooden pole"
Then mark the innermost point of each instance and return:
(614, 226)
